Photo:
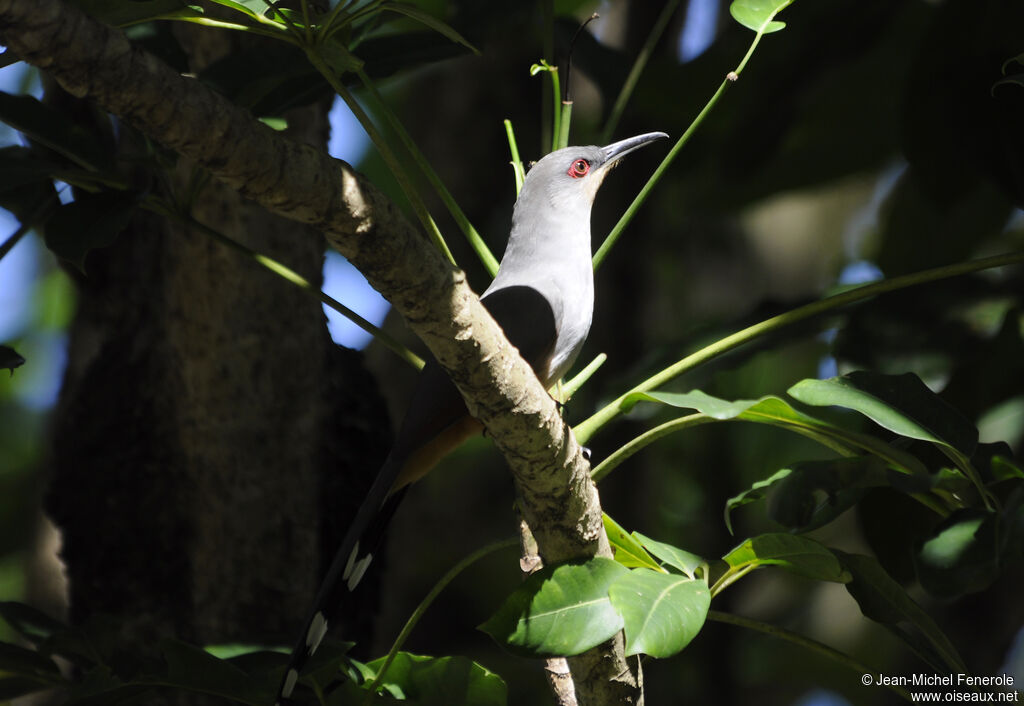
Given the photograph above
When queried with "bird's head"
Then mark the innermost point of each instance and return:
(571, 176)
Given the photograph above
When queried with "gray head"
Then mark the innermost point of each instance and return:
(570, 177)
(548, 251)
(551, 219)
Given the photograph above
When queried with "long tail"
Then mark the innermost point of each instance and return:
(350, 563)
(435, 422)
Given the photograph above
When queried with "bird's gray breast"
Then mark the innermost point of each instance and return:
(569, 293)
(548, 252)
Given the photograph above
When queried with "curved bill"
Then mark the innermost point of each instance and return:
(617, 150)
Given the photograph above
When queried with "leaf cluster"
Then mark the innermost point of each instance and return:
(660, 594)
(244, 674)
(879, 434)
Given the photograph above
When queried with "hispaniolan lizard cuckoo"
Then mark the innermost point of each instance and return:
(542, 297)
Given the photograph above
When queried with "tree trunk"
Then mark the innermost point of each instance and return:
(302, 183)
(206, 424)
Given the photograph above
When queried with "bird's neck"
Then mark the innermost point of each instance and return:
(554, 239)
(549, 251)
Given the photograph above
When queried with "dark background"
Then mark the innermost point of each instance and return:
(867, 137)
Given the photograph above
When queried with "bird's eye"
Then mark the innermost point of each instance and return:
(579, 168)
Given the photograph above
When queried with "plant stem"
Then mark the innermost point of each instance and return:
(14, 238)
(648, 437)
(45, 208)
(587, 428)
(732, 576)
(275, 33)
(272, 6)
(385, 152)
(547, 29)
(797, 639)
(580, 379)
(638, 67)
(730, 78)
(475, 241)
(308, 28)
(291, 276)
(842, 443)
(964, 464)
(517, 163)
(757, 37)
(556, 112)
(613, 236)
(564, 120)
(746, 57)
(417, 614)
(327, 27)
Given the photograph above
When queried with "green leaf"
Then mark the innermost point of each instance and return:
(13, 687)
(348, 693)
(758, 15)
(338, 57)
(98, 687)
(16, 660)
(757, 491)
(778, 412)
(1004, 468)
(234, 650)
(662, 612)
(443, 681)
(883, 600)
(800, 555)
(561, 610)
(627, 550)
(29, 622)
(253, 8)
(430, 21)
(53, 130)
(31, 203)
(330, 659)
(91, 221)
(900, 403)
(962, 555)
(765, 410)
(51, 637)
(192, 668)
(685, 561)
(269, 79)
(22, 165)
(696, 399)
(278, 124)
(813, 493)
(10, 359)
(264, 665)
(122, 14)
(387, 54)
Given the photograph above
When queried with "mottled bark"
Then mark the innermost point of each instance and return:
(556, 495)
(203, 414)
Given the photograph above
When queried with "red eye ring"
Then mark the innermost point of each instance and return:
(579, 168)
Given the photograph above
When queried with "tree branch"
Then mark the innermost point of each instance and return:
(556, 496)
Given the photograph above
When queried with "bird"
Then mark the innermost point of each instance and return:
(543, 298)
